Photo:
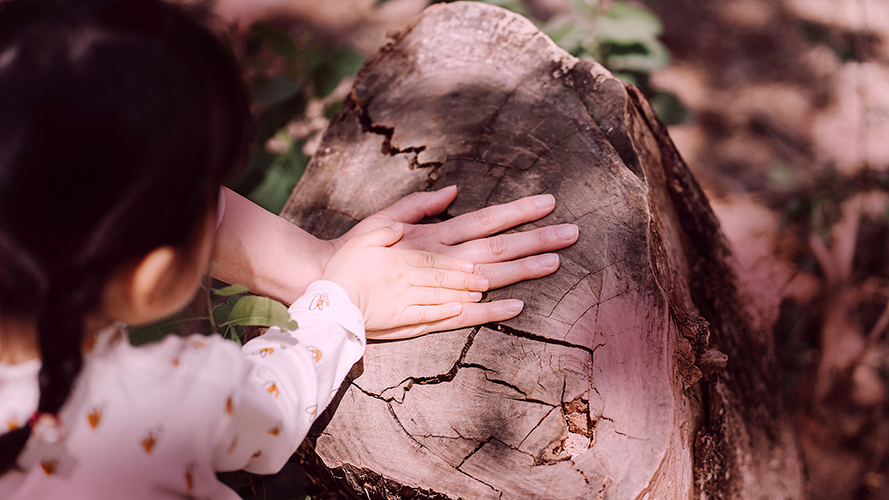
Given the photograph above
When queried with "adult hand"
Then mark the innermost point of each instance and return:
(504, 259)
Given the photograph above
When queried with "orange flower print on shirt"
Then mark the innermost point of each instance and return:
(94, 415)
(311, 410)
(257, 454)
(189, 476)
(197, 344)
(274, 431)
(150, 438)
(234, 445)
(316, 353)
(319, 302)
(264, 352)
(12, 423)
(89, 343)
(49, 466)
(229, 405)
(272, 389)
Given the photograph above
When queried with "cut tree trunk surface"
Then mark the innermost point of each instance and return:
(596, 389)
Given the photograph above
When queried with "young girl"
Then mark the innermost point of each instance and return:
(120, 120)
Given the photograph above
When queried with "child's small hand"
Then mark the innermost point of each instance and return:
(395, 287)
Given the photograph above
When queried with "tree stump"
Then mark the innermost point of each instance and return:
(609, 384)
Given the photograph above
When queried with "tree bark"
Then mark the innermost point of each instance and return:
(613, 382)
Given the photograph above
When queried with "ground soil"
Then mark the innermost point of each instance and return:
(789, 134)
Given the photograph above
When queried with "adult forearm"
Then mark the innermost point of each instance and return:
(266, 253)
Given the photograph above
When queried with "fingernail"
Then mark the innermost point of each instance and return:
(513, 306)
(545, 200)
(397, 226)
(467, 267)
(548, 260)
(568, 232)
(449, 188)
(475, 296)
(456, 308)
(482, 283)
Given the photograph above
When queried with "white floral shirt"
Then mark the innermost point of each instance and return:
(157, 421)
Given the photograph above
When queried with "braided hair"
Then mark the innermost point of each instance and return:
(120, 120)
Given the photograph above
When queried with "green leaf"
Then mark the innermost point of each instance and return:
(669, 109)
(333, 67)
(277, 39)
(656, 56)
(628, 24)
(220, 314)
(230, 290)
(280, 179)
(231, 332)
(177, 324)
(276, 90)
(260, 311)
(627, 78)
(233, 300)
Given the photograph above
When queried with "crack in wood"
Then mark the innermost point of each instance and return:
(369, 127)
(581, 128)
(596, 305)
(496, 187)
(619, 433)
(430, 380)
(423, 446)
(601, 284)
(603, 417)
(479, 160)
(375, 486)
(540, 338)
(577, 417)
(535, 427)
(473, 452)
(525, 399)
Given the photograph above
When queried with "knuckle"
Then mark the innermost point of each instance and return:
(528, 266)
(439, 278)
(484, 217)
(497, 245)
(428, 260)
(544, 237)
(414, 199)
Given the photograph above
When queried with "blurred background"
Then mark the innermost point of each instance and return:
(780, 108)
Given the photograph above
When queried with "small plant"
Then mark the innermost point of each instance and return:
(228, 318)
(293, 76)
(228, 310)
(622, 36)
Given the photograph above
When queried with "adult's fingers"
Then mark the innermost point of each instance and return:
(435, 295)
(430, 314)
(442, 278)
(381, 236)
(491, 220)
(501, 274)
(413, 207)
(504, 247)
(471, 315)
(431, 260)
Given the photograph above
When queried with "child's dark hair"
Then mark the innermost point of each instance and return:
(119, 119)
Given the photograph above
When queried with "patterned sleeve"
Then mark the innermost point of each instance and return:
(291, 377)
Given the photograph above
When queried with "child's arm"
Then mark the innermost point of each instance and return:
(292, 376)
(276, 258)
